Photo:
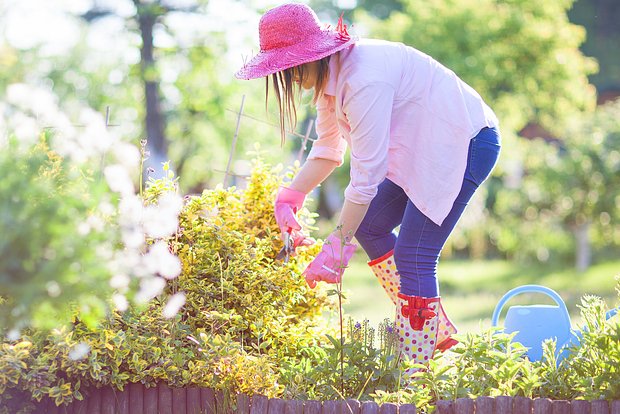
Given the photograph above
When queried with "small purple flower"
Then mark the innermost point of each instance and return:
(358, 325)
(389, 329)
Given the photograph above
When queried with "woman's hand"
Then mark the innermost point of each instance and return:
(329, 264)
(288, 203)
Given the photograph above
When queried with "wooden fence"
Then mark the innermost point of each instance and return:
(137, 399)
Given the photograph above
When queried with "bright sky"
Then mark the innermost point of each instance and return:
(28, 23)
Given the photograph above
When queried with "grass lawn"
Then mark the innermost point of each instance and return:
(470, 290)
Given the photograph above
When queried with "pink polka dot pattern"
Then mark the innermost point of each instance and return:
(416, 345)
(385, 270)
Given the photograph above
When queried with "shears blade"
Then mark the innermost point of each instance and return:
(285, 252)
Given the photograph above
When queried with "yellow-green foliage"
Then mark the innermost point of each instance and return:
(244, 311)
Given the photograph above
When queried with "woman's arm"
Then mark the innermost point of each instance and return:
(312, 173)
(351, 216)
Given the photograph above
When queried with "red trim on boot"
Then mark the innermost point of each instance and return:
(417, 310)
(382, 258)
(446, 344)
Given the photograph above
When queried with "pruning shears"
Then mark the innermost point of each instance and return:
(289, 247)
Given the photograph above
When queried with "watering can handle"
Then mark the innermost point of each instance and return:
(529, 289)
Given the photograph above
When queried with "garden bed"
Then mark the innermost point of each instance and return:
(138, 399)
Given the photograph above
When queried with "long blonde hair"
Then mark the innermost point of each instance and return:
(285, 91)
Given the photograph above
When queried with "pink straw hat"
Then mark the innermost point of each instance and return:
(291, 35)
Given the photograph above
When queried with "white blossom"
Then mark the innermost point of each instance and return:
(126, 155)
(13, 335)
(174, 304)
(120, 302)
(149, 288)
(160, 260)
(120, 281)
(162, 220)
(79, 351)
(118, 179)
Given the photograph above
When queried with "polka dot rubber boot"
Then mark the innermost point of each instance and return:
(384, 269)
(416, 323)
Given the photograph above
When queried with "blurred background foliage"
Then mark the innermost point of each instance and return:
(163, 70)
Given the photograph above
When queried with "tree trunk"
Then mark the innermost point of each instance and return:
(154, 122)
(583, 252)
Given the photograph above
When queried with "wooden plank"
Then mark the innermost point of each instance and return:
(485, 405)
(521, 405)
(580, 407)
(207, 401)
(51, 407)
(193, 401)
(292, 407)
(444, 407)
(503, 405)
(464, 406)
(369, 407)
(164, 399)
(67, 409)
(541, 406)
(179, 400)
(615, 407)
(259, 404)
(136, 398)
(407, 409)
(352, 406)
(108, 400)
(151, 400)
(80, 407)
(275, 406)
(560, 407)
(122, 401)
(223, 404)
(331, 407)
(94, 401)
(599, 407)
(312, 407)
(243, 404)
(388, 408)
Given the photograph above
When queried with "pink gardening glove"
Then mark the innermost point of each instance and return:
(328, 266)
(288, 203)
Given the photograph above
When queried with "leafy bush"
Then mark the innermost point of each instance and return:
(56, 238)
(248, 323)
(243, 310)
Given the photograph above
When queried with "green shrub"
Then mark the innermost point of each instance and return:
(248, 323)
(54, 238)
(243, 313)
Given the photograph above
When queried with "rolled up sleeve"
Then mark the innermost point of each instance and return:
(369, 113)
(330, 145)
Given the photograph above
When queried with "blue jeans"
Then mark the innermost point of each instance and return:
(419, 241)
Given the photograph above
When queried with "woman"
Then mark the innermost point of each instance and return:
(421, 142)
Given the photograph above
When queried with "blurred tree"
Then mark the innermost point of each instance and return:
(601, 19)
(522, 56)
(568, 196)
(580, 183)
(147, 15)
(380, 9)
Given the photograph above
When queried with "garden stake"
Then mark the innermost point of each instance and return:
(304, 143)
(234, 143)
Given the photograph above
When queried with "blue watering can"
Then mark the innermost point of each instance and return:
(536, 323)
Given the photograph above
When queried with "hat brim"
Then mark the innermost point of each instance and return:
(314, 48)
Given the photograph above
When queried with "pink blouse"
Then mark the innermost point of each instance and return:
(405, 117)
